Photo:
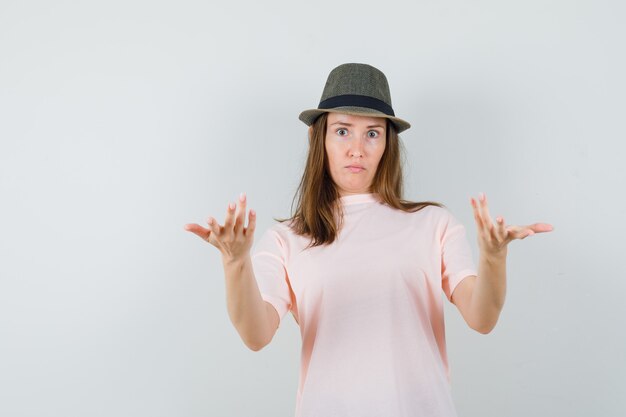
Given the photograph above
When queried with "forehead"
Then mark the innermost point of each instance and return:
(355, 120)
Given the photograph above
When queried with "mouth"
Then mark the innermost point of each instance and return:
(355, 168)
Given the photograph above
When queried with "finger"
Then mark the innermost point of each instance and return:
(214, 228)
(479, 221)
(249, 231)
(484, 210)
(501, 228)
(524, 231)
(541, 227)
(230, 218)
(240, 217)
(198, 230)
(520, 232)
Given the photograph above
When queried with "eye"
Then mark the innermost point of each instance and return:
(342, 132)
(372, 134)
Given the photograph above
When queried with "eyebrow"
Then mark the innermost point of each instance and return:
(350, 125)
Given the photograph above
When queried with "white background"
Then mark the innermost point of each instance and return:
(121, 121)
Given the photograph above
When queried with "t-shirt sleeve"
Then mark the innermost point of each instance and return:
(269, 265)
(456, 254)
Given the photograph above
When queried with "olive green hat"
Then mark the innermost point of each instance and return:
(357, 89)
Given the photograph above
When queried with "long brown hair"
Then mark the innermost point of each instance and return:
(318, 213)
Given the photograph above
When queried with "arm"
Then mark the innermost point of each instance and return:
(480, 298)
(255, 319)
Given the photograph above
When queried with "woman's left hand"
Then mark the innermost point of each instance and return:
(493, 239)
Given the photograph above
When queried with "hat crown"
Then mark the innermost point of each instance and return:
(356, 89)
(357, 79)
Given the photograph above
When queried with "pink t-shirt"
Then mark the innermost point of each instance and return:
(370, 308)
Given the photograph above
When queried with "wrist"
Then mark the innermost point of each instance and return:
(234, 261)
(494, 257)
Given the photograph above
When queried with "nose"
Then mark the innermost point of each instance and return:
(356, 148)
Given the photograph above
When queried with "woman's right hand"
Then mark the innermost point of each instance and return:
(233, 240)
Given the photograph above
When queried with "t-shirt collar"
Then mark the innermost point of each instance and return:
(359, 198)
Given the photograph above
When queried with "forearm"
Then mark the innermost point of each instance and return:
(246, 307)
(489, 292)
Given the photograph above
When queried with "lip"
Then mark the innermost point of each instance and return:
(355, 168)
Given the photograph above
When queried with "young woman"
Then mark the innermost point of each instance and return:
(361, 269)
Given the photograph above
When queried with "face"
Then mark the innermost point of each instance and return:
(354, 145)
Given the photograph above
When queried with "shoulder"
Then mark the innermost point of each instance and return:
(440, 220)
(439, 213)
(430, 213)
(276, 231)
(278, 234)
(282, 229)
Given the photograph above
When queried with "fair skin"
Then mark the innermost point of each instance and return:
(254, 319)
(356, 140)
(480, 298)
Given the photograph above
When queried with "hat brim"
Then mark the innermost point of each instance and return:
(309, 116)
